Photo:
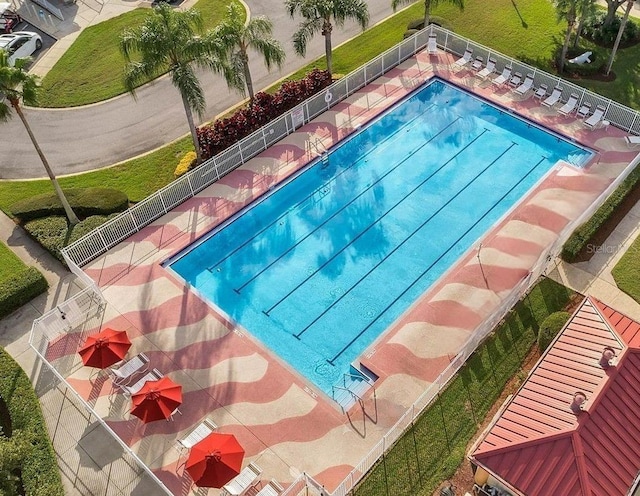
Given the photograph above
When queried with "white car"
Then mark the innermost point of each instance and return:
(20, 44)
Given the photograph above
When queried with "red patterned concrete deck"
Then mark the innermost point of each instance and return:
(283, 423)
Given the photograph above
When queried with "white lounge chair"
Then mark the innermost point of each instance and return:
(526, 86)
(584, 110)
(273, 488)
(570, 105)
(596, 118)
(502, 78)
(243, 481)
(515, 80)
(554, 98)
(206, 427)
(154, 375)
(125, 372)
(477, 64)
(541, 92)
(464, 60)
(432, 45)
(489, 69)
(632, 140)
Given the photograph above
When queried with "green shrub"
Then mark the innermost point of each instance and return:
(409, 33)
(84, 202)
(40, 474)
(583, 234)
(53, 233)
(550, 328)
(418, 24)
(606, 36)
(20, 288)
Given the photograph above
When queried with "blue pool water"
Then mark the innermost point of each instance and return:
(318, 268)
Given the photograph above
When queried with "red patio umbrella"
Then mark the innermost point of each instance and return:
(215, 460)
(157, 400)
(105, 348)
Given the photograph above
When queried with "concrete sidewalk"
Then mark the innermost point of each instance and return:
(91, 461)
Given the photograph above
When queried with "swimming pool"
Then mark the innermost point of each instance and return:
(319, 267)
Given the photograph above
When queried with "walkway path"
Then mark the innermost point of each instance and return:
(86, 138)
(90, 461)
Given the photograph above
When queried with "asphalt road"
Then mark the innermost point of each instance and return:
(86, 138)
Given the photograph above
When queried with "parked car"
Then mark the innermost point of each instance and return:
(20, 44)
(8, 18)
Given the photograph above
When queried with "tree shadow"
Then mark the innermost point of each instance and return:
(515, 6)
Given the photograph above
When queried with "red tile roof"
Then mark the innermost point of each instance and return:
(539, 446)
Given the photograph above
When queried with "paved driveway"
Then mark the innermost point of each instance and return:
(86, 138)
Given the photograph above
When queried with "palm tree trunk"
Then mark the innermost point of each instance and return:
(579, 31)
(192, 129)
(427, 12)
(326, 31)
(247, 76)
(619, 37)
(71, 216)
(565, 47)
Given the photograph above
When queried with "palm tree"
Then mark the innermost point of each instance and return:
(587, 11)
(427, 6)
(623, 24)
(236, 38)
(317, 16)
(17, 85)
(169, 39)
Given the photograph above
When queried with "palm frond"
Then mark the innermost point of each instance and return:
(305, 32)
(356, 10)
(271, 50)
(185, 80)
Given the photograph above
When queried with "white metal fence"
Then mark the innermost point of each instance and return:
(137, 217)
(111, 233)
(71, 319)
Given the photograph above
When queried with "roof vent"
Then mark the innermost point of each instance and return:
(579, 399)
(608, 354)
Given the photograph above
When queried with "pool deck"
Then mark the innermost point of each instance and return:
(285, 425)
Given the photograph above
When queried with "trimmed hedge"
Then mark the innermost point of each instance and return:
(85, 202)
(418, 24)
(550, 328)
(38, 467)
(583, 234)
(21, 288)
(53, 233)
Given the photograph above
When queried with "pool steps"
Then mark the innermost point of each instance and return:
(355, 383)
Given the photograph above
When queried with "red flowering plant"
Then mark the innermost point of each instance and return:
(223, 133)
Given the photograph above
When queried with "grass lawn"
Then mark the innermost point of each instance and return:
(433, 448)
(9, 263)
(93, 67)
(138, 178)
(626, 273)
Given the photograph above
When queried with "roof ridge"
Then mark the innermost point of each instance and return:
(542, 438)
(583, 474)
(597, 304)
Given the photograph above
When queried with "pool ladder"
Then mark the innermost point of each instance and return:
(321, 150)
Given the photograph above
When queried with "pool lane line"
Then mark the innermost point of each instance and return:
(340, 210)
(335, 255)
(322, 186)
(381, 261)
(346, 347)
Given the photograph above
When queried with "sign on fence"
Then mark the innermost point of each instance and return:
(297, 116)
